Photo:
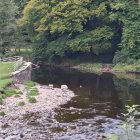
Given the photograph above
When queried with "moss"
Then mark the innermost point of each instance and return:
(21, 103)
(32, 100)
(2, 114)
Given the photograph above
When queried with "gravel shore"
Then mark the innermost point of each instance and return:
(32, 120)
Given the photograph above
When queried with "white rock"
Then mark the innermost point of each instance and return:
(64, 87)
(50, 85)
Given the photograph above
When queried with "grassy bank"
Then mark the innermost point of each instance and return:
(5, 82)
(5, 71)
(89, 67)
(101, 67)
(127, 68)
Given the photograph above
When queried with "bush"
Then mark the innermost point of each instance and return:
(125, 56)
(32, 100)
(21, 103)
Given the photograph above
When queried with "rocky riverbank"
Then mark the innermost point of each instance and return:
(32, 121)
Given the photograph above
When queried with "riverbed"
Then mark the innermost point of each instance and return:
(92, 113)
(97, 108)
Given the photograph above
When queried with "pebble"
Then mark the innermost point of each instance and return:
(27, 122)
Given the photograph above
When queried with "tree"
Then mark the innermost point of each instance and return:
(8, 12)
(62, 27)
(68, 26)
(128, 14)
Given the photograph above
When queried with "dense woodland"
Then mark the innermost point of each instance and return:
(61, 28)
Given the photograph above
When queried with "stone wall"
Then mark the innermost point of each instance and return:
(23, 74)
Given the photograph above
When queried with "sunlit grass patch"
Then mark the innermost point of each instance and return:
(5, 82)
(6, 68)
(11, 92)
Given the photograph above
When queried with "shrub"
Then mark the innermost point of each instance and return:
(129, 125)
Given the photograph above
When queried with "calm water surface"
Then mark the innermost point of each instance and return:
(97, 107)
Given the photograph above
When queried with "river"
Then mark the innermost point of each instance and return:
(96, 109)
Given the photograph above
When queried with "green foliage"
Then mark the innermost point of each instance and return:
(58, 27)
(8, 12)
(21, 103)
(129, 125)
(128, 13)
(125, 67)
(32, 100)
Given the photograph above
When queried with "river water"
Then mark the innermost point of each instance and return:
(96, 109)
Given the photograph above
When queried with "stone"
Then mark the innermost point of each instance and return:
(64, 87)
(50, 85)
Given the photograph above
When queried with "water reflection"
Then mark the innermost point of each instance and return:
(100, 100)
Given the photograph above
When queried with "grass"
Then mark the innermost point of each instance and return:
(5, 71)
(90, 67)
(1, 100)
(21, 103)
(10, 92)
(135, 67)
(32, 100)
(29, 84)
(33, 92)
(5, 82)
(6, 68)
